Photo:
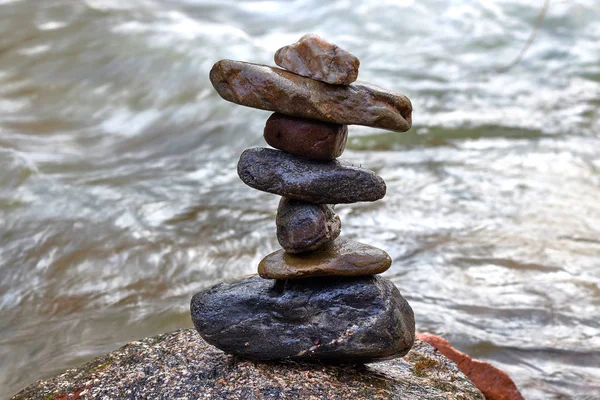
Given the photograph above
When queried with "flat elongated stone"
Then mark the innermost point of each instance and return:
(330, 182)
(307, 138)
(275, 89)
(316, 58)
(335, 319)
(343, 257)
(303, 226)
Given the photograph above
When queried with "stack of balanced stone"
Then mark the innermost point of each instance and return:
(318, 298)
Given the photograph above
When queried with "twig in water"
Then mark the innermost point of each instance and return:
(538, 23)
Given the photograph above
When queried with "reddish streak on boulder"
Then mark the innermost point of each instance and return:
(494, 383)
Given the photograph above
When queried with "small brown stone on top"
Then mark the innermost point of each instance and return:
(343, 257)
(316, 58)
(308, 138)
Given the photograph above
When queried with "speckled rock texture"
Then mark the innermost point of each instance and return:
(307, 138)
(316, 58)
(320, 182)
(343, 257)
(338, 320)
(303, 226)
(278, 90)
(180, 365)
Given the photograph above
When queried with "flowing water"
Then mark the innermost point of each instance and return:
(119, 196)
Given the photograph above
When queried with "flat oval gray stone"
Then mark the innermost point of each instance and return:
(321, 182)
(275, 89)
(316, 58)
(342, 320)
(303, 226)
(343, 257)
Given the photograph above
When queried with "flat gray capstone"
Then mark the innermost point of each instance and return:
(180, 365)
(321, 182)
(275, 89)
(340, 320)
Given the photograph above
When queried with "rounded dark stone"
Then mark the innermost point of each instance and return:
(303, 226)
(308, 138)
(321, 182)
(343, 257)
(342, 320)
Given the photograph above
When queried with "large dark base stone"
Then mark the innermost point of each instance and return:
(341, 320)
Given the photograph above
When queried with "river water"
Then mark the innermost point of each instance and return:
(119, 197)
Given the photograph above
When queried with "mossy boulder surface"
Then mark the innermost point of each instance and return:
(180, 365)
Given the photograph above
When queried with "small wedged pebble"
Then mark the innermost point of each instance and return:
(307, 138)
(343, 257)
(303, 226)
(321, 182)
(316, 58)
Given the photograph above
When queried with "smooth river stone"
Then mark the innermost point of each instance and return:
(321, 182)
(275, 89)
(343, 257)
(343, 320)
(316, 58)
(303, 226)
(307, 138)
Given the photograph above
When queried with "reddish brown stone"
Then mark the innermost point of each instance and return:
(316, 58)
(494, 383)
(308, 138)
(277, 90)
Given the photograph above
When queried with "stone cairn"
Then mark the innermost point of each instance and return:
(318, 298)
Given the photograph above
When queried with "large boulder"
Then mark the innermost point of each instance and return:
(180, 365)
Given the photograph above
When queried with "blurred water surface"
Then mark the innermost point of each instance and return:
(119, 196)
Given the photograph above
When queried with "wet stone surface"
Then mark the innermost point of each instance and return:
(316, 58)
(330, 182)
(303, 226)
(307, 138)
(342, 320)
(343, 257)
(274, 89)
